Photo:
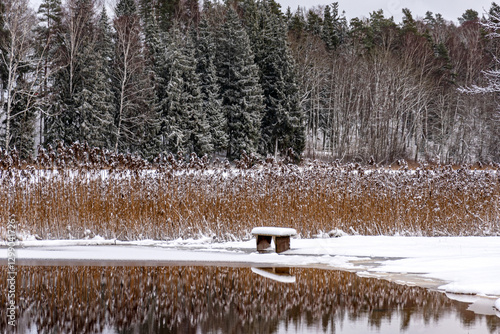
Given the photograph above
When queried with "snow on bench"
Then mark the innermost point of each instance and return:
(278, 274)
(281, 236)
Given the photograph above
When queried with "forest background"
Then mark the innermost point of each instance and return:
(159, 77)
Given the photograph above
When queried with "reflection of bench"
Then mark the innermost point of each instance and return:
(281, 236)
(280, 274)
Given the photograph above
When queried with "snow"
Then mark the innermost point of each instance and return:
(277, 231)
(459, 265)
(273, 276)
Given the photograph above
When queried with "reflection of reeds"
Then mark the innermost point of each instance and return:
(178, 299)
(176, 201)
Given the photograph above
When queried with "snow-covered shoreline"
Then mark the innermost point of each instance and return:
(458, 265)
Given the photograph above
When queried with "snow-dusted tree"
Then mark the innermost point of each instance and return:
(50, 16)
(185, 126)
(73, 41)
(3, 45)
(167, 13)
(209, 86)
(21, 70)
(283, 121)
(82, 91)
(492, 76)
(240, 89)
(157, 67)
(334, 27)
(492, 27)
(135, 118)
(95, 100)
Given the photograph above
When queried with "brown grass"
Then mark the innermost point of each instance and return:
(70, 198)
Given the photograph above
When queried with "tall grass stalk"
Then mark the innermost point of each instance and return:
(170, 201)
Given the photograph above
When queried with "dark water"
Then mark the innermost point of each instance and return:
(70, 299)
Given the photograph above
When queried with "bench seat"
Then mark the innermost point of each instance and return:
(281, 235)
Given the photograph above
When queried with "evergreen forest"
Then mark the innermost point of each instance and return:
(154, 77)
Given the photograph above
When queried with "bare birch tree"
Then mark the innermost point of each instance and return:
(133, 90)
(21, 67)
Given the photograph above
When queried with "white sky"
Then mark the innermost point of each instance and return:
(450, 9)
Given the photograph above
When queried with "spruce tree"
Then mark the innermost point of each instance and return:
(283, 121)
(95, 100)
(71, 90)
(155, 67)
(186, 128)
(22, 128)
(209, 86)
(136, 120)
(240, 89)
(50, 15)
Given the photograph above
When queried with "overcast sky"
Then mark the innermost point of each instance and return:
(450, 9)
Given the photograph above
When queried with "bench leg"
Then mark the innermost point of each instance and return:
(282, 244)
(263, 242)
(282, 270)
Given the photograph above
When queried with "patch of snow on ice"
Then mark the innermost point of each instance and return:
(459, 264)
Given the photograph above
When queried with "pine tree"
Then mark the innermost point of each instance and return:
(50, 15)
(209, 86)
(240, 89)
(334, 27)
(470, 15)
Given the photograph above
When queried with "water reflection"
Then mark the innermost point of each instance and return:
(226, 300)
(279, 274)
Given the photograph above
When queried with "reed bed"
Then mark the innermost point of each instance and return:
(77, 192)
(214, 299)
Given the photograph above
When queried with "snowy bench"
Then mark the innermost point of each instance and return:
(281, 236)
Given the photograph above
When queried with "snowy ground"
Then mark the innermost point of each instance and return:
(455, 265)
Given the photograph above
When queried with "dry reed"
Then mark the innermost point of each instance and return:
(77, 192)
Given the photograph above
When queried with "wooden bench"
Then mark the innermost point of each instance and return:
(281, 235)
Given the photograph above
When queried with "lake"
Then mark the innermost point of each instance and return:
(186, 299)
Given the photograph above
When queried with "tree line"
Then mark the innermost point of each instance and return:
(243, 76)
(374, 90)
